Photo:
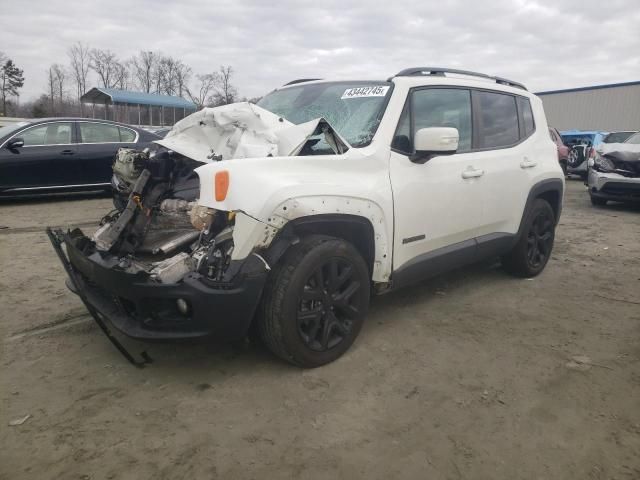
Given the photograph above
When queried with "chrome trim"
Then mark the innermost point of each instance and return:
(24, 189)
(79, 143)
(39, 125)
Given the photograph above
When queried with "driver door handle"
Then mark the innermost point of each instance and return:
(471, 172)
(67, 152)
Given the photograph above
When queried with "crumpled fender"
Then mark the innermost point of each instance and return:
(270, 192)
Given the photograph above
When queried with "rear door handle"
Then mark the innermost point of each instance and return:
(526, 163)
(67, 152)
(471, 172)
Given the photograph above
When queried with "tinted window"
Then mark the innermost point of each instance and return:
(49, 134)
(498, 120)
(524, 107)
(127, 135)
(436, 107)
(98, 133)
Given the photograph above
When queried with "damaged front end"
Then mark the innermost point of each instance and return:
(160, 267)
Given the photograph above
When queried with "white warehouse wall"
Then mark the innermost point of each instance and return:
(607, 108)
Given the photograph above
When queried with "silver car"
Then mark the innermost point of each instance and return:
(614, 173)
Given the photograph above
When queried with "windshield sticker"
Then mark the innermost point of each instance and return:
(360, 92)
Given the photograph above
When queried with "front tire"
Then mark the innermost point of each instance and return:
(533, 250)
(315, 302)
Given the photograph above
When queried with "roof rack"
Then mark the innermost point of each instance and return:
(301, 80)
(409, 72)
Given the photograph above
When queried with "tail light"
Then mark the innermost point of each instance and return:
(592, 152)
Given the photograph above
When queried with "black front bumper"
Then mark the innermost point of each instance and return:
(146, 310)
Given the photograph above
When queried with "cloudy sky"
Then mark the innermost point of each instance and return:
(544, 44)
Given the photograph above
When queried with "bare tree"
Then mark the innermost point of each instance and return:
(202, 90)
(183, 75)
(167, 75)
(144, 68)
(105, 64)
(51, 84)
(79, 59)
(122, 75)
(56, 77)
(60, 75)
(225, 92)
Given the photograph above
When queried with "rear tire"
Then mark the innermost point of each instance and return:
(598, 202)
(533, 250)
(315, 301)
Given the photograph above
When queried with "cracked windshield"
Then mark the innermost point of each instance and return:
(353, 109)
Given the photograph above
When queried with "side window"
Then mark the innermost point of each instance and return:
(498, 120)
(524, 108)
(435, 107)
(127, 135)
(98, 133)
(58, 133)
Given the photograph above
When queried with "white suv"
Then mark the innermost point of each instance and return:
(322, 194)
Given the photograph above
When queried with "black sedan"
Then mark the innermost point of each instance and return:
(63, 154)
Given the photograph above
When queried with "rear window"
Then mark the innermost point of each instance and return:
(498, 120)
(524, 107)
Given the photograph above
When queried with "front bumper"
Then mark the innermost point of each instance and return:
(145, 310)
(613, 186)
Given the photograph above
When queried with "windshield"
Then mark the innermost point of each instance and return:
(617, 137)
(354, 109)
(634, 139)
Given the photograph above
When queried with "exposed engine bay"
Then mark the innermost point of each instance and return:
(157, 228)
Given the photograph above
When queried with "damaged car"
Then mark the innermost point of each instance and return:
(284, 217)
(614, 174)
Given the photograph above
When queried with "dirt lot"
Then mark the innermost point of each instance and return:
(471, 375)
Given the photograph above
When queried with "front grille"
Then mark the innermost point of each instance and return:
(622, 189)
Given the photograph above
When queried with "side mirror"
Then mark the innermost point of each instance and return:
(433, 141)
(16, 142)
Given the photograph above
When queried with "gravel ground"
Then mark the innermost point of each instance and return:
(471, 375)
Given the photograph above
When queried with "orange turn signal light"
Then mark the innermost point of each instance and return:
(222, 185)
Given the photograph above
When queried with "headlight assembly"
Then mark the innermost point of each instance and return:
(603, 164)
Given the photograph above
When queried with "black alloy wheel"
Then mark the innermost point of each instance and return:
(326, 308)
(540, 239)
(533, 249)
(315, 301)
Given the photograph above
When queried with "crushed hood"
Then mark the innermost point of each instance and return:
(607, 148)
(244, 130)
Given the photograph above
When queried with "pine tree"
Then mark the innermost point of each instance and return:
(11, 80)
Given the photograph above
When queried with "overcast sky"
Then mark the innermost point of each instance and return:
(544, 44)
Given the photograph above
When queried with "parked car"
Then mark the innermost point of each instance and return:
(582, 146)
(614, 174)
(62, 154)
(563, 150)
(617, 137)
(322, 194)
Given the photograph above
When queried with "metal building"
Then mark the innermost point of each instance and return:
(603, 107)
(137, 107)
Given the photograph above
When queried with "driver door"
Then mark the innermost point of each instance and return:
(438, 205)
(43, 161)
